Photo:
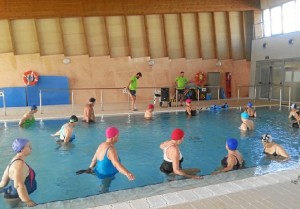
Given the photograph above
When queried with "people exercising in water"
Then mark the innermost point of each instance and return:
(189, 110)
(247, 125)
(88, 111)
(295, 115)
(149, 112)
(106, 163)
(249, 109)
(273, 149)
(28, 118)
(20, 174)
(173, 157)
(234, 159)
(66, 131)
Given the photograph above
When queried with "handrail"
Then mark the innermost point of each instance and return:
(271, 86)
(116, 88)
(2, 94)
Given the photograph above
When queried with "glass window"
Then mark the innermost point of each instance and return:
(267, 22)
(288, 76)
(276, 22)
(296, 76)
(298, 15)
(289, 17)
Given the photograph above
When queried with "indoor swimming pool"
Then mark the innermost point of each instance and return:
(138, 148)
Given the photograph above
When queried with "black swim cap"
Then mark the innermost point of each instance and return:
(92, 99)
(73, 119)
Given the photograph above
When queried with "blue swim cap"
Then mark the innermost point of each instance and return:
(19, 144)
(245, 115)
(232, 143)
(33, 107)
(249, 104)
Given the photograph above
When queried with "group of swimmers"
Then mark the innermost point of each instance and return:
(106, 163)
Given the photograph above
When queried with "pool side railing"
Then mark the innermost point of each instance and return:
(268, 95)
(2, 94)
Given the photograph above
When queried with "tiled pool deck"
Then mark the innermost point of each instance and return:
(240, 189)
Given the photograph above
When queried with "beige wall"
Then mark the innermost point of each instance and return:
(106, 72)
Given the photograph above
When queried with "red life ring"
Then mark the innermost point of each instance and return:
(30, 78)
(199, 78)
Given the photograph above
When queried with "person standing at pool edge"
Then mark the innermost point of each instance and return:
(132, 86)
(20, 174)
(28, 118)
(88, 111)
(106, 163)
(180, 83)
(173, 157)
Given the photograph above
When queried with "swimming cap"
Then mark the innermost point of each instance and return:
(249, 104)
(92, 100)
(19, 144)
(111, 132)
(150, 106)
(33, 107)
(188, 101)
(266, 138)
(73, 119)
(177, 134)
(245, 115)
(232, 143)
(294, 106)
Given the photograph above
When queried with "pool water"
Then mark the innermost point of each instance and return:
(138, 148)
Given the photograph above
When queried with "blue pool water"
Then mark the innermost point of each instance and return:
(138, 148)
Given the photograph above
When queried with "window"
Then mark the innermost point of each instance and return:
(267, 22)
(289, 17)
(276, 23)
(298, 15)
(296, 76)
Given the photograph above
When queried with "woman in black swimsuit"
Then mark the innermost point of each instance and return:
(234, 159)
(271, 148)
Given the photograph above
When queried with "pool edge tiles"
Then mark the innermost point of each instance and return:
(180, 191)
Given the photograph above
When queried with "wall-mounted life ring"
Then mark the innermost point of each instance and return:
(200, 78)
(30, 78)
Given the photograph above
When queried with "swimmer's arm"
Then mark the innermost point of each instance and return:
(68, 135)
(56, 133)
(94, 160)
(5, 179)
(280, 151)
(113, 156)
(19, 183)
(175, 163)
(230, 164)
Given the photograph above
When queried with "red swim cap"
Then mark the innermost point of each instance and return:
(177, 134)
(150, 106)
(188, 101)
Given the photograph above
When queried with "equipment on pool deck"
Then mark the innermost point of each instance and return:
(163, 95)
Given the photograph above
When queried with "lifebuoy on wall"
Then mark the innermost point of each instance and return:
(30, 78)
(200, 78)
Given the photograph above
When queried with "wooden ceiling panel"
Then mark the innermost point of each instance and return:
(21, 9)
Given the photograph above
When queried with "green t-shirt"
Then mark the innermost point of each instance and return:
(133, 83)
(181, 82)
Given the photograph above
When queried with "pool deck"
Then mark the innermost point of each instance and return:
(273, 190)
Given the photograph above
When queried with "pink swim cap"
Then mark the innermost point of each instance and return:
(188, 100)
(150, 106)
(111, 132)
(177, 134)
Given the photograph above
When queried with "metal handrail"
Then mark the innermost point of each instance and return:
(271, 85)
(2, 94)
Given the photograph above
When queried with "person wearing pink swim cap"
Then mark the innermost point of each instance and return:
(189, 110)
(106, 163)
(20, 174)
(173, 157)
(149, 112)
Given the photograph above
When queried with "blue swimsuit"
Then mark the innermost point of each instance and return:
(104, 168)
(11, 192)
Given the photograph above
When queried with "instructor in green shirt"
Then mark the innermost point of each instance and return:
(181, 82)
(132, 86)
